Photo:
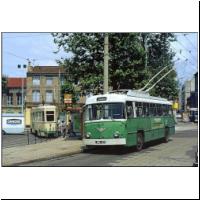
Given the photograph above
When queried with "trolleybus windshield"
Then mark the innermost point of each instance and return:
(104, 111)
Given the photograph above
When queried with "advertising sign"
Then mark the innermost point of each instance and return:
(14, 121)
(67, 98)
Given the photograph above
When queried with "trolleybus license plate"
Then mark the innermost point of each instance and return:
(100, 142)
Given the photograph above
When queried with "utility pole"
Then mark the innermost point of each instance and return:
(22, 95)
(106, 58)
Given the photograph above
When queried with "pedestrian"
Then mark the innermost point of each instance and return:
(59, 127)
(63, 128)
(71, 129)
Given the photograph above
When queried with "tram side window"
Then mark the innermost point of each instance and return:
(129, 108)
(138, 106)
(50, 116)
(42, 115)
(33, 116)
(36, 116)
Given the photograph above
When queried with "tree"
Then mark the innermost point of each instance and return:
(133, 59)
(4, 84)
(160, 55)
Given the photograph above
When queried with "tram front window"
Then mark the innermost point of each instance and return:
(104, 111)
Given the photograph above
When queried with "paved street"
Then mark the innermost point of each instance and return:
(179, 151)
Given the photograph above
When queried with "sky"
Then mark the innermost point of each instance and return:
(18, 47)
(39, 48)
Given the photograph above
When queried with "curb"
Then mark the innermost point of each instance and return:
(185, 129)
(43, 159)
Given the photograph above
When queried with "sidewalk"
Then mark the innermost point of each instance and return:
(184, 126)
(42, 151)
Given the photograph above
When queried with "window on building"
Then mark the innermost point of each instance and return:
(36, 80)
(19, 99)
(49, 96)
(36, 96)
(49, 81)
(10, 99)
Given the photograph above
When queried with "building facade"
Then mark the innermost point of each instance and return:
(44, 85)
(192, 100)
(14, 96)
(190, 93)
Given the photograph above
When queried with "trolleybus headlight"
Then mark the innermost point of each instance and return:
(88, 134)
(116, 134)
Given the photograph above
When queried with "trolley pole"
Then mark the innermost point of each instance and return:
(106, 58)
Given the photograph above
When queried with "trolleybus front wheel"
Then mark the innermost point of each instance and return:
(140, 141)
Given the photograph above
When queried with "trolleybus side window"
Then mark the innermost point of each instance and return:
(138, 109)
(146, 109)
(129, 109)
(159, 110)
(170, 110)
(164, 108)
(150, 109)
(50, 115)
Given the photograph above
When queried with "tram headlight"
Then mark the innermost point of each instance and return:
(116, 134)
(87, 135)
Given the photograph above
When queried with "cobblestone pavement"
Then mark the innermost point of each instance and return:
(10, 140)
(179, 151)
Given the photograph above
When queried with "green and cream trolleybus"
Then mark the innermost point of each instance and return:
(44, 120)
(128, 118)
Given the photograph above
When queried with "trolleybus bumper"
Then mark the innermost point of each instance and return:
(117, 141)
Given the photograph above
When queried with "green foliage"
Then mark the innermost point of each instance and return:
(160, 55)
(4, 84)
(133, 59)
(69, 88)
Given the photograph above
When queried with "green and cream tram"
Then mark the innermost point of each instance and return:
(128, 118)
(44, 120)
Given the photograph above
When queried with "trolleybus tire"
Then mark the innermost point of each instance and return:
(166, 138)
(140, 141)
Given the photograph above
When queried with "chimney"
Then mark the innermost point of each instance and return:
(30, 68)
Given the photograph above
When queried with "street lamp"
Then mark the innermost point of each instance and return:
(22, 107)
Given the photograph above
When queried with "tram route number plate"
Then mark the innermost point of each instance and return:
(100, 142)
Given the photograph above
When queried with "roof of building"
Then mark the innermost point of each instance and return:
(15, 82)
(46, 70)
